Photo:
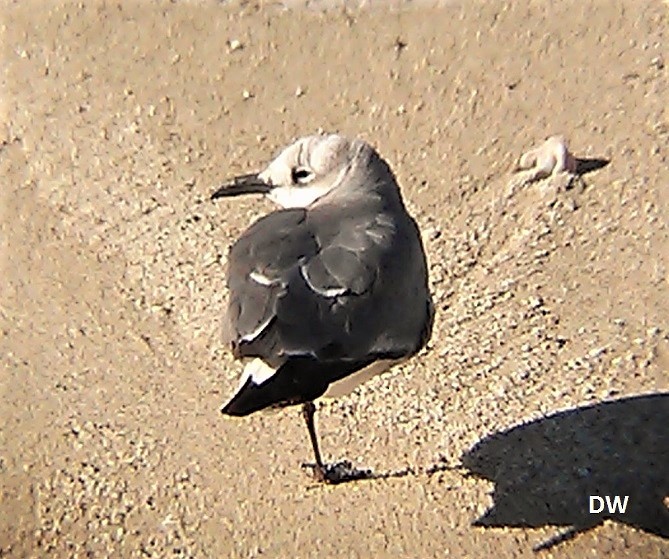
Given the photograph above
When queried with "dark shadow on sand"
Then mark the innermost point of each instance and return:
(585, 165)
(545, 471)
(345, 472)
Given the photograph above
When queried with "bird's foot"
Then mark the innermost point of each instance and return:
(340, 472)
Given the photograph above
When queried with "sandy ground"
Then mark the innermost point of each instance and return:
(547, 376)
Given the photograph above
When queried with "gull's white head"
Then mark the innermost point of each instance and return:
(307, 170)
(311, 168)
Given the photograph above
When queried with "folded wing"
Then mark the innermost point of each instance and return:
(295, 293)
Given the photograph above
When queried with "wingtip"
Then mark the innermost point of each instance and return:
(244, 402)
(230, 409)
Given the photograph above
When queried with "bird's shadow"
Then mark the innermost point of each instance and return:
(587, 165)
(545, 471)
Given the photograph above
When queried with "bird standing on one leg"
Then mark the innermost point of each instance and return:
(328, 291)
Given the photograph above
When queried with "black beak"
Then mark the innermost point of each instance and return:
(246, 184)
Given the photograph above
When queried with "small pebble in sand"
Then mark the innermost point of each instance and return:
(550, 158)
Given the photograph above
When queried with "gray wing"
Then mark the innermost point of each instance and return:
(297, 292)
(260, 264)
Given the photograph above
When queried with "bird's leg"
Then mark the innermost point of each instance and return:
(308, 411)
(329, 473)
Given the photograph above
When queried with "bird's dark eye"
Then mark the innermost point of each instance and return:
(300, 174)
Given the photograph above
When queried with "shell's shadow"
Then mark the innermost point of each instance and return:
(586, 165)
(545, 471)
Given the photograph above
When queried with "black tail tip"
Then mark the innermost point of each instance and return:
(231, 410)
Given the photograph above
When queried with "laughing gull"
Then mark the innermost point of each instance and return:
(328, 291)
